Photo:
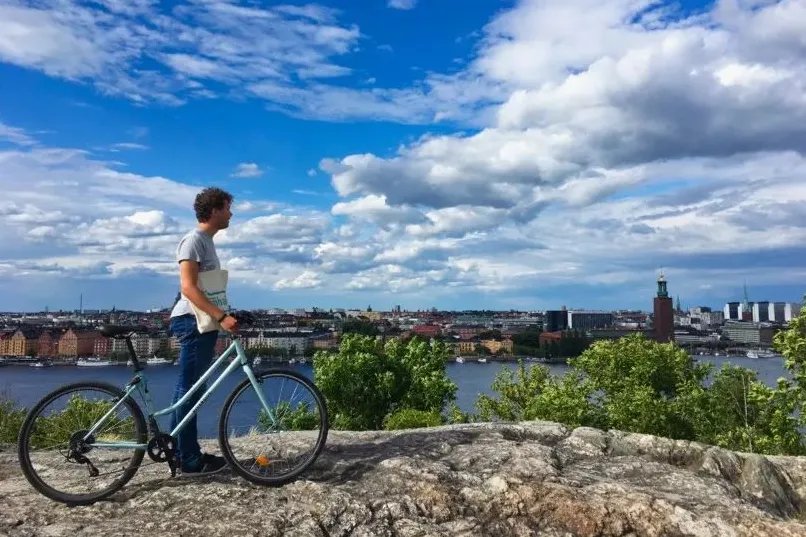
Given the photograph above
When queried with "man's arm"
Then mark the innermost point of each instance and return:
(188, 277)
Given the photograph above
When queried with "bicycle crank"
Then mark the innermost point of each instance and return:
(162, 448)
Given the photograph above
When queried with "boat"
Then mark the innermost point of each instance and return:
(158, 360)
(759, 353)
(482, 360)
(46, 363)
(93, 361)
(460, 360)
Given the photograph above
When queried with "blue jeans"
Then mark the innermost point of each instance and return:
(196, 353)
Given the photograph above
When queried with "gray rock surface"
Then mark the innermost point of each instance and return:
(524, 479)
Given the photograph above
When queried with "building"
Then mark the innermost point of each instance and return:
(469, 331)
(495, 346)
(290, 342)
(703, 318)
(77, 343)
(426, 330)
(761, 312)
(663, 321)
(783, 312)
(102, 347)
(24, 342)
(546, 338)
(749, 333)
(222, 343)
(325, 341)
(589, 320)
(733, 311)
(556, 321)
(48, 344)
(5, 343)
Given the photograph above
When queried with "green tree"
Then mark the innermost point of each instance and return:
(528, 338)
(638, 385)
(791, 343)
(359, 326)
(644, 386)
(367, 379)
(490, 334)
(518, 390)
(741, 413)
(534, 394)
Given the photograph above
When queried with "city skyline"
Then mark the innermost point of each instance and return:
(456, 155)
(686, 306)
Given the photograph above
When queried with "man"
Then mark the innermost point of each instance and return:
(196, 253)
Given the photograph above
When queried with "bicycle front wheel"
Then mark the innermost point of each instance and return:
(266, 439)
(62, 462)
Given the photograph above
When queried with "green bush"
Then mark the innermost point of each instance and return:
(367, 379)
(81, 414)
(56, 428)
(11, 418)
(644, 386)
(455, 415)
(409, 418)
(301, 418)
(638, 385)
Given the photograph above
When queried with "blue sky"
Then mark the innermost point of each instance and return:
(517, 154)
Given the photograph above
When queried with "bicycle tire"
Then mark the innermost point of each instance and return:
(43, 488)
(222, 428)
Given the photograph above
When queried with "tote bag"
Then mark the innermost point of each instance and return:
(213, 283)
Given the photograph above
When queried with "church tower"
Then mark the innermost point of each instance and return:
(663, 321)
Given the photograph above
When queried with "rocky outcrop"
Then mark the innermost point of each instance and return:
(522, 479)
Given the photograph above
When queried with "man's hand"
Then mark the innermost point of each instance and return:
(230, 324)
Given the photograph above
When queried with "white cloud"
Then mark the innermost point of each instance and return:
(66, 214)
(195, 42)
(402, 4)
(127, 146)
(306, 280)
(201, 49)
(247, 169)
(15, 135)
(613, 138)
(374, 208)
(618, 143)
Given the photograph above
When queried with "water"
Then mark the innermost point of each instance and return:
(26, 385)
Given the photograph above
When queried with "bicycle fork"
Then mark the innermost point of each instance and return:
(256, 384)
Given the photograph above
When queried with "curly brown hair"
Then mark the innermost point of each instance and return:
(209, 199)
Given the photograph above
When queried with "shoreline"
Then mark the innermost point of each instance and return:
(471, 359)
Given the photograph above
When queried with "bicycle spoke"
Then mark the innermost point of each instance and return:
(274, 444)
(59, 456)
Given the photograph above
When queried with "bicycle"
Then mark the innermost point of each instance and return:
(83, 422)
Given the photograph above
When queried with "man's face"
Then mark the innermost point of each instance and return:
(222, 216)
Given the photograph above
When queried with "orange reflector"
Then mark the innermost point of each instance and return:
(262, 460)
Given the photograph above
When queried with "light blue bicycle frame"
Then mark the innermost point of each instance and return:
(140, 382)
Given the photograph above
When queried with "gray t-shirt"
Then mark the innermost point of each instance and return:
(197, 246)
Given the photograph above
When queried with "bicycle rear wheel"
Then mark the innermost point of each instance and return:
(251, 439)
(54, 457)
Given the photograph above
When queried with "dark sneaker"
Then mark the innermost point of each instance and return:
(210, 464)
